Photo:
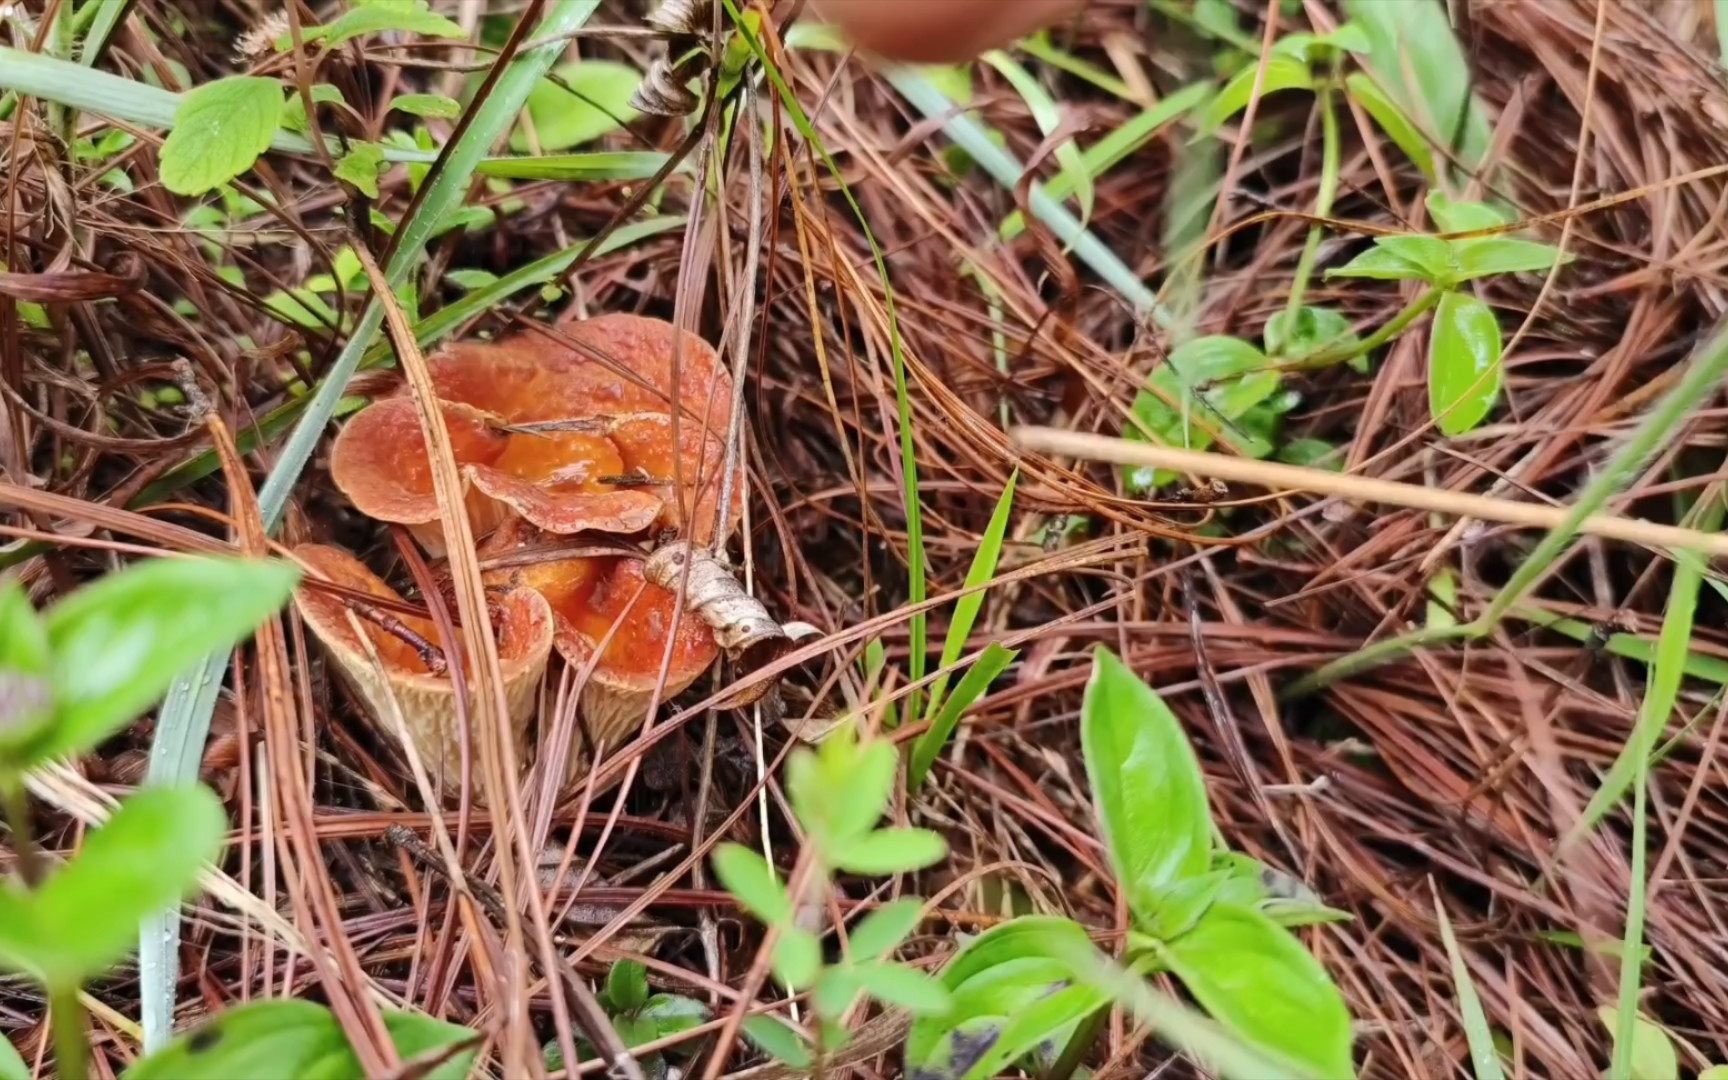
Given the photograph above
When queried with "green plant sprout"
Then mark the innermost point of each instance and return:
(1215, 919)
(838, 792)
(70, 678)
(639, 1016)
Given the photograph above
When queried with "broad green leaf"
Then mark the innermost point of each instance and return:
(85, 917)
(435, 106)
(1314, 48)
(1282, 73)
(966, 608)
(633, 1031)
(1146, 784)
(407, 16)
(1455, 216)
(294, 109)
(267, 1040)
(285, 1038)
(361, 166)
(1390, 116)
(1048, 116)
(1464, 371)
(1181, 903)
(26, 693)
(12, 1064)
(777, 1039)
(902, 986)
(416, 1035)
(117, 643)
(1256, 978)
(626, 986)
(1284, 899)
(891, 851)
(797, 957)
(1714, 1072)
(674, 1013)
(1381, 264)
(997, 974)
(1212, 381)
(1653, 1056)
(751, 881)
(23, 638)
(1313, 453)
(881, 931)
(220, 129)
(1487, 255)
(835, 990)
(1418, 59)
(977, 679)
(974, 1047)
(1307, 331)
(839, 791)
(597, 102)
(1432, 254)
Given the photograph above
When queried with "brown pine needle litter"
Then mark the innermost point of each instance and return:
(1399, 694)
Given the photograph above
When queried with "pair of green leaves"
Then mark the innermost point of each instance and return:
(1464, 348)
(78, 673)
(1209, 384)
(838, 793)
(639, 1016)
(1214, 919)
(300, 1040)
(1290, 66)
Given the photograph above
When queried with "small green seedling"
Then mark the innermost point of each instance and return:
(69, 678)
(639, 1017)
(1215, 919)
(1464, 370)
(838, 793)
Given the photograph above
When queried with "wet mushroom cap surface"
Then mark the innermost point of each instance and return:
(613, 459)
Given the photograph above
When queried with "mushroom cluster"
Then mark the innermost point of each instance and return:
(552, 440)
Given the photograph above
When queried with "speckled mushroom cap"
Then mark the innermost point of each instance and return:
(523, 624)
(617, 460)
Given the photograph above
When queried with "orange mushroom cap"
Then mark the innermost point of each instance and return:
(613, 466)
(589, 597)
(524, 629)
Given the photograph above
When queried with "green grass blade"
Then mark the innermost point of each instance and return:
(1722, 31)
(1666, 673)
(106, 18)
(184, 720)
(982, 570)
(1048, 115)
(1484, 1056)
(993, 662)
(1632, 940)
(593, 165)
(917, 584)
(1001, 165)
(1039, 47)
(1115, 148)
(1415, 36)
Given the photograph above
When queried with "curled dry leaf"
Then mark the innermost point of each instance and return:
(741, 625)
(523, 623)
(589, 596)
(574, 438)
